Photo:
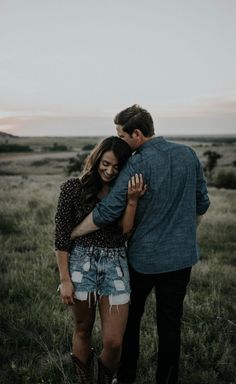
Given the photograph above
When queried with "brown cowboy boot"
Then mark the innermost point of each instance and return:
(105, 376)
(85, 372)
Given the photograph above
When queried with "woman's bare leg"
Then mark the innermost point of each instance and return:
(113, 321)
(84, 316)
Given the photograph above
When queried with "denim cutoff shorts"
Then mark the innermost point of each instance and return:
(101, 271)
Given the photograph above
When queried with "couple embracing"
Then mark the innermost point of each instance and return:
(125, 227)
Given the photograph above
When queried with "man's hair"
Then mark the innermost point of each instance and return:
(133, 118)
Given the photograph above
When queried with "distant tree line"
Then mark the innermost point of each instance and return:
(4, 148)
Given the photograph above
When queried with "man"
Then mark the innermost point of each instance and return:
(163, 247)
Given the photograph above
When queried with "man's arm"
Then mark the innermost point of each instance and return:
(110, 208)
(136, 189)
(199, 219)
(86, 226)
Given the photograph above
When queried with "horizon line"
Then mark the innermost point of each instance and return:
(98, 136)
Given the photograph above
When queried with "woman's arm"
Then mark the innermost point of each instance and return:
(63, 226)
(64, 218)
(66, 286)
(136, 189)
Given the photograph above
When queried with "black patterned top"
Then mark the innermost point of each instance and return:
(71, 211)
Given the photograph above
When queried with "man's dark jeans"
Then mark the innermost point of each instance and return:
(170, 290)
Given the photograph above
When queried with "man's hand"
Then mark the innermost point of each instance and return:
(199, 219)
(85, 227)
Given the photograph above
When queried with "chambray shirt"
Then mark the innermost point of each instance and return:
(164, 238)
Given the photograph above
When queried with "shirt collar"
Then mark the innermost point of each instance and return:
(153, 141)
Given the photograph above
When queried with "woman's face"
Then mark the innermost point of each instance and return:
(108, 167)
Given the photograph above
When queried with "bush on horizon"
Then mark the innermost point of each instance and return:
(76, 164)
(56, 147)
(225, 179)
(5, 148)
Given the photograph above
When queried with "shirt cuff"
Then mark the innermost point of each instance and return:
(97, 219)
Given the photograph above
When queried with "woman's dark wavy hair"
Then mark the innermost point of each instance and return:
(90, 177)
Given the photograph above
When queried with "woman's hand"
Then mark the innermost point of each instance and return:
(136, 188)
(67, 292)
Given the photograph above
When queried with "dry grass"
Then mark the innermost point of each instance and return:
(36, 328)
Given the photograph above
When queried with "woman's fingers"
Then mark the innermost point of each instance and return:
(67, 300)
(67, 293)
(143, 190)
(139, 180)
(133, 182)
(136, 185)
(129, 186)
(136, 181)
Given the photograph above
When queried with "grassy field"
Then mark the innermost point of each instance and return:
(36, 328)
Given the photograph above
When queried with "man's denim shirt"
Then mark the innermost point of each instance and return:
(164, 238)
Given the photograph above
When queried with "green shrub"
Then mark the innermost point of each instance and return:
(88, 147)
(211, 162)
(56, 148)
(225, 179)
(15, 148)
(76, 164)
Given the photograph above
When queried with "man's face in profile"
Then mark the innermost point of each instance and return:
(129, 139)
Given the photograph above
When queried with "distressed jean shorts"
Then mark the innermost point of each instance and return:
(101, 271)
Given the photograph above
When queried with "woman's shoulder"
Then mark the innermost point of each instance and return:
(72, 184)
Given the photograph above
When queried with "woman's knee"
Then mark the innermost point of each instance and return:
(83, 331)
(112, 343)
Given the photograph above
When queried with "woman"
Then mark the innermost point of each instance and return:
(95, 265)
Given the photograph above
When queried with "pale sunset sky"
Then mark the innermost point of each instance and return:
(68, 66)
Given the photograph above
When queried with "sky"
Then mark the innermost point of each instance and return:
(68, 66)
